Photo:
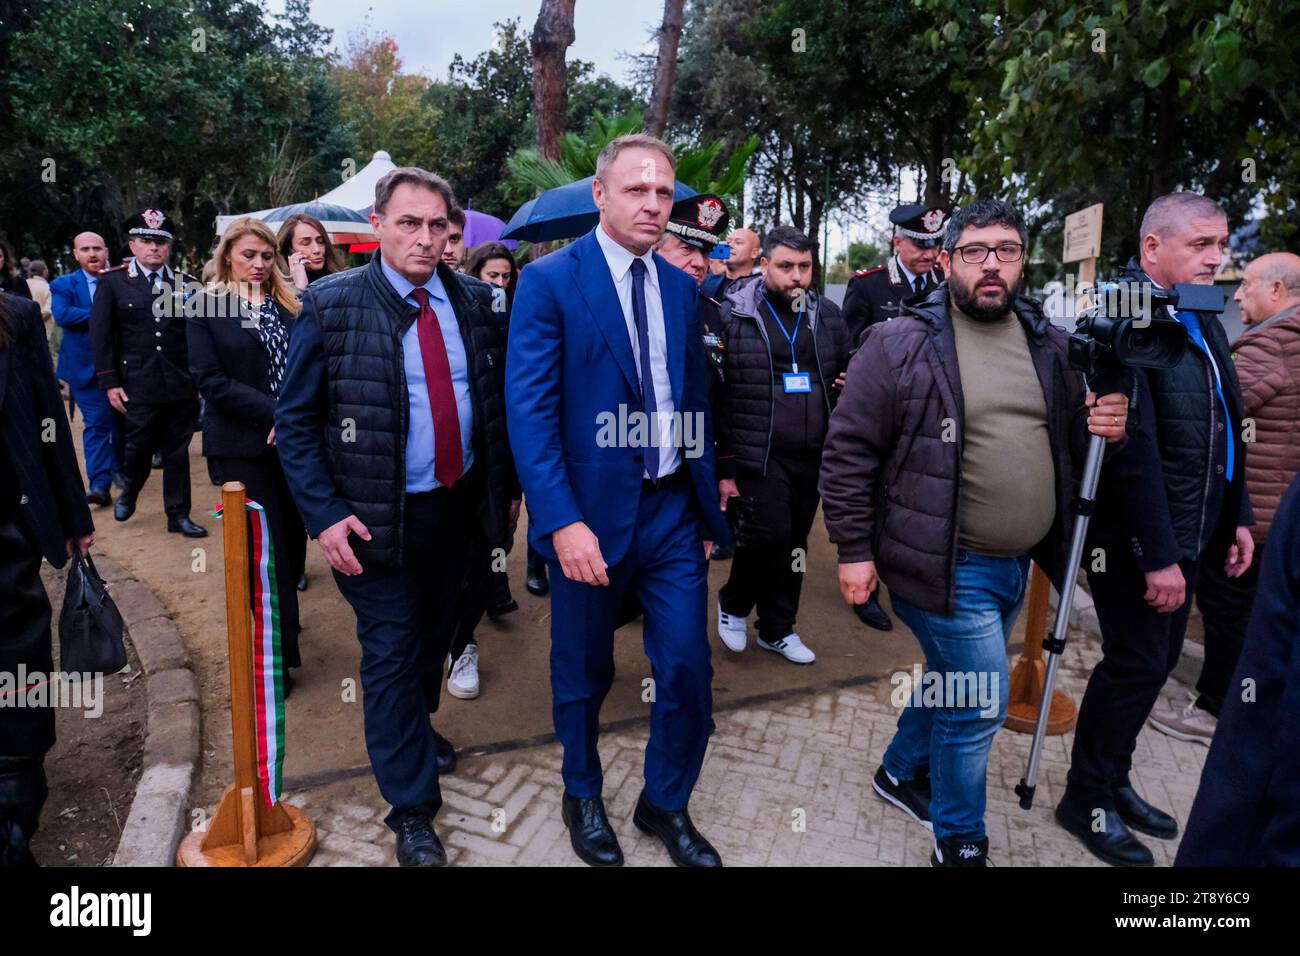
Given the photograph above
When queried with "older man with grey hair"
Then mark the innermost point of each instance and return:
(1171, 502)
(1267, 359)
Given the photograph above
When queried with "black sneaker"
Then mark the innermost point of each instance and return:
(910, 796)
(960, 852)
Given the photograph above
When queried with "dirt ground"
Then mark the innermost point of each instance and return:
(95, 764)
(324, 719)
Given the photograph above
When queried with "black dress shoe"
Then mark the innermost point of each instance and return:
(99, 496)
(183, 525)
(536, 582)
(722, 552)
(685, 844)
(157, 461)
(501, 610)
(124, 508)
(589, 831)
(1114, 843)
(1143, 817)
(302, 581)
(446, 754)
(417, 844)
(873, 615)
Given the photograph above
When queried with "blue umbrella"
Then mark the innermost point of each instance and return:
(563, 213)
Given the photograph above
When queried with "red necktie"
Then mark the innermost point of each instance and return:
(448, 462)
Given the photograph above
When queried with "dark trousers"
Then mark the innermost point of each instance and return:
(264, 483)
(775, 516)
(1225, 605)
(665, 568)
(483, 589)
(166, 427)
(101, 436)
(405, 617)
(1140, 649)
(24, 640)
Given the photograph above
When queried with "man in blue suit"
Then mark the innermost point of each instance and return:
(607, 397)
(71, 296)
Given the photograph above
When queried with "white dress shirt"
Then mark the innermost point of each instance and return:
(619, 261)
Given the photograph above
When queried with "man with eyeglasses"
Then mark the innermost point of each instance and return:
(391, 427)
(1169, 503)
(949, 464)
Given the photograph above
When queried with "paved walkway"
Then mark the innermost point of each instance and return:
(786, 782)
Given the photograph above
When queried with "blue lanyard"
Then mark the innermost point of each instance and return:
(798, 320)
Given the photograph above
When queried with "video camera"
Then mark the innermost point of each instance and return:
(1129, 326)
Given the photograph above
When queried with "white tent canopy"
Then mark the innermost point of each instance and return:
(356, 192)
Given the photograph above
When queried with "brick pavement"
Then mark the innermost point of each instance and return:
(784, 783)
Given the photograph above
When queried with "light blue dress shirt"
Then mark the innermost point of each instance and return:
(91, 283)
(419, 433)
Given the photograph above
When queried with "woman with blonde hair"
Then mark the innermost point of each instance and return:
(306, 250)
(238, 337)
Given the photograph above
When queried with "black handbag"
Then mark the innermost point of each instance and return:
(91, 630)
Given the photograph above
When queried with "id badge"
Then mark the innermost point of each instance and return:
(797, 383)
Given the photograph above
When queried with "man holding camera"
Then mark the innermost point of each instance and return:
(950, 462)
(1172, 497)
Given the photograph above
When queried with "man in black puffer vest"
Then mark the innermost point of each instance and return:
(392, 430)
(1172, 498)
(786, 348)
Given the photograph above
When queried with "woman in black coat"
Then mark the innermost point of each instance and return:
(238, 339)
(43, 513)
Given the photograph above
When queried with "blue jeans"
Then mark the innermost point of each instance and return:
(951, 734)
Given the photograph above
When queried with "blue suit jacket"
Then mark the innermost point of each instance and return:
(569, 367)
(70, 303)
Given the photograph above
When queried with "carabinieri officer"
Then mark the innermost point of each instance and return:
(137, 333)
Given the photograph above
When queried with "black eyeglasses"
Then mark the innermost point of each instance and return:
(976, 254)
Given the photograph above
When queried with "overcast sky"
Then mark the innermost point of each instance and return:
(430, 32)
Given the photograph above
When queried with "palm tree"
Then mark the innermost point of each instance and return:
(531, 173)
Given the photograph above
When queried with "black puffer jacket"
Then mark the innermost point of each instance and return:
(346, 361)
(1164, 497)
(744, 433)
(890, 483)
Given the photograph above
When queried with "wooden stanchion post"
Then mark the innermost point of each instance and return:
(245, 831)
(1030, 672)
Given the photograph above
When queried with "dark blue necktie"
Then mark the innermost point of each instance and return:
(1192, 322)
(647, 375)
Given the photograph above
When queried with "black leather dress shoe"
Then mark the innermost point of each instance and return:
(1114, 843)
(446, 754)
(417, 844)
(119, 481)
(722, 552)
(685, 844)
(302, 581)
(1143, 817)
(183, 525)
(873, 615)
(157, 461)
(124, 508)
(536, 582)
(99, 496)
(589, 831)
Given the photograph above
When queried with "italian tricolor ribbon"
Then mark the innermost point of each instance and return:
(268, 662)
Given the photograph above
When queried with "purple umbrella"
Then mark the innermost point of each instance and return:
(481, 228)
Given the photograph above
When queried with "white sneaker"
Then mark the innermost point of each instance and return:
(462, 682)
(1190, 723)
(791, 648)
(733, 630)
